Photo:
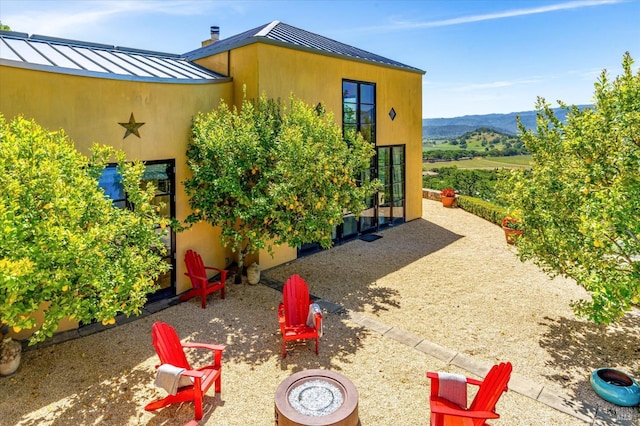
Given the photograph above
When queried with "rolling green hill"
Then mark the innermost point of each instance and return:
(482, 139)
(480, 142)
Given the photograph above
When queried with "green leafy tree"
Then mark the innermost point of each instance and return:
(63, 245)
(274, 174)
(4, 27)
(580, 203)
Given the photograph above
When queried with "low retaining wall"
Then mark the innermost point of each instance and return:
(433, 194)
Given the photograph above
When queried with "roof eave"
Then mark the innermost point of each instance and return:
(110, 76)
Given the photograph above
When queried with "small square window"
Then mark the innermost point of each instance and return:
(392, 114)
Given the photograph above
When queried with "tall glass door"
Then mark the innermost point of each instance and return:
(391, 197)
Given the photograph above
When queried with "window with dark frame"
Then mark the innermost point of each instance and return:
(359, 108)
(359, 114)
(162, 175)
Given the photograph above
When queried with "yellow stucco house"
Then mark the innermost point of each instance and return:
(142, 102)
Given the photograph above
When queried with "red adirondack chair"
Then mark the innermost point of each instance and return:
(171, 351)
(197, 272)
(293, 313)
(482, 408)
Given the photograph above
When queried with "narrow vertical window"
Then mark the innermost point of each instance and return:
(359, 108)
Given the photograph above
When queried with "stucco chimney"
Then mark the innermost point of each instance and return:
(215, 36)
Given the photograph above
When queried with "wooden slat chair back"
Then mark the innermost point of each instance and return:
(482, 408)
(167, 344)
(296, 300)
(293, 312)
(170, 350)
(492, 388)
(197, 273)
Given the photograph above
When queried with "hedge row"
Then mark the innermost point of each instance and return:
(483, 209)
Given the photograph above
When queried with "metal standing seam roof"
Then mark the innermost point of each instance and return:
(277, 32)
(99, 60)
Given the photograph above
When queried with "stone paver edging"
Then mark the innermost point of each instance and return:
(517, 383)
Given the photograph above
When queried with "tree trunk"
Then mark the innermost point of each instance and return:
(238, 279)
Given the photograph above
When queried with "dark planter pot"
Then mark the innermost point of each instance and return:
(616, 387)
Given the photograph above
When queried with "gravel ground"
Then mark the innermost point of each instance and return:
(449, 278)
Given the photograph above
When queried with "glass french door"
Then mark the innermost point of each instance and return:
(391, 173)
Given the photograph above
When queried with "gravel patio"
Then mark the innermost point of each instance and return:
(444, 293)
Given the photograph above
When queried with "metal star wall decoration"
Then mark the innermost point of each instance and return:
(132, 127)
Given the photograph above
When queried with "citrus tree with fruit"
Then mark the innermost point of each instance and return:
(64, 248)
(580, 202)
(272, 174)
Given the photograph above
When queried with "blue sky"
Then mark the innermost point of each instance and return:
(480, 56)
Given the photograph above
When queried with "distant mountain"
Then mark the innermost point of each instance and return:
(445, 128)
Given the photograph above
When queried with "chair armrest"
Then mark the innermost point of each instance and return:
(215, 269)
(208, 346)
(446, 408)
(434, 376)
(223, 272)
(196, 376)
(217, 350)
(474, 381)
(197, 277)
(281, 315)
(193, 373)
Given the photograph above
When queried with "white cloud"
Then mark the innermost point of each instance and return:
(400, 24)
(66, 18)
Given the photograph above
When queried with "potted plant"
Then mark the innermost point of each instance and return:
(447, 196)
(10, 352)
(512, 228)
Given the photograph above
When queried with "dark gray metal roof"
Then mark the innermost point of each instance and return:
(286, 35)
(99, 60)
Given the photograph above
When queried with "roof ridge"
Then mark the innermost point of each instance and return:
(267, 29)
(286, 35)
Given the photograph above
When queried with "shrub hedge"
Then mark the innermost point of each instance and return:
(483, 209)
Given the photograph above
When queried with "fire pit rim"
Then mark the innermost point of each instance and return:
(349, 405)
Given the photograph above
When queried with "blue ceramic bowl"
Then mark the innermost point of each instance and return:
(616, 387)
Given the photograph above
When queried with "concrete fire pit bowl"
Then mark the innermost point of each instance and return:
(316, 398)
